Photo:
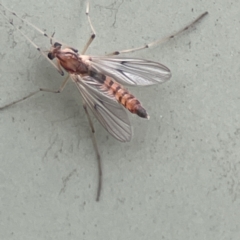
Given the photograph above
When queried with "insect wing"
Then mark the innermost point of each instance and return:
(131, 71)
(105, 107)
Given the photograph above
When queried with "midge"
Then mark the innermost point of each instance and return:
(101, 80)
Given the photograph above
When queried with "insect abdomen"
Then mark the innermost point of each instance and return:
(124, 97)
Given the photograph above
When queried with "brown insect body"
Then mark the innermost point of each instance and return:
(68, 58)
(124, 97)
(74, 63)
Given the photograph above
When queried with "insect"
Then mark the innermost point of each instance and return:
(102, 80)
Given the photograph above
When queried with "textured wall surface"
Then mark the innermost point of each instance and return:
(179, 176)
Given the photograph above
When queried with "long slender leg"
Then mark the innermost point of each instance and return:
(97, 153)
(31, 25)
(162, 40)
(40, 90)
(60, 89)
(20, 100)
(93, 35)
(33, 44)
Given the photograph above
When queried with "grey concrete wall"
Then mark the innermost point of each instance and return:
(179, 176)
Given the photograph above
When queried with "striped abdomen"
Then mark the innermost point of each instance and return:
(122, 95)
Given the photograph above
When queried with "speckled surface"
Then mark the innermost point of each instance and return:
(177, 179)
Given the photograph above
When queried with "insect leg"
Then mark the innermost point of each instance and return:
(30, 24)
(97, 152)
(162, 40)
(40, 90)
(33, 44)
(93, 35)
(59, 90)
(20, 100)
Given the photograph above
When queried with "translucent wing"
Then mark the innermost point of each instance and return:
(105, 107)
(130, 71)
